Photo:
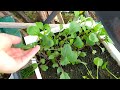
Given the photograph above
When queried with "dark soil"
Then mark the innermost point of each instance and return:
(77, 71)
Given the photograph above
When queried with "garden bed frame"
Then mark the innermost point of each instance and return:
(55, 28)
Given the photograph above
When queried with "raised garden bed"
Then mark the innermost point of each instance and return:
(90, 58)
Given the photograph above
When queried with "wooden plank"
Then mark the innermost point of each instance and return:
(21, 25)
(42, 15)
(21, 13)
(1, 14)
(60, 18)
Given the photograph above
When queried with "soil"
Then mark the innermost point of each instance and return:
(4, 76)
(77, 71)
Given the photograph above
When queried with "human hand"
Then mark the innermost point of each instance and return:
(13, 59)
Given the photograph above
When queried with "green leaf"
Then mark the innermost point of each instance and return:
(66, 50)
(97, 27)
(47, 27)
(94, 51)
(77, 13)
(55, 65)
(42, 61)
(48, 53)
(47, 42)
(64, 61)
(68, 55)
(73, 35)
(33, 30)
(78, 42)
(82, 18)
(51, 56)
(74, 27)
(40, 25)
(29, 46)
(44, 67)
(29, 71)
(71, 41)
(104, 66)
(84, 28)
(56, 53)
(93, 37)
(98, 61)
(61, 26)
(91, 43)
(83, 54)
(59, 70)
(61, 43)
(64, 75)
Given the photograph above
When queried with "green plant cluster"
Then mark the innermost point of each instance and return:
(64, 48)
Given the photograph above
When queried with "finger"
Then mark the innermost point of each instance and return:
(28, 55)
(12, 38)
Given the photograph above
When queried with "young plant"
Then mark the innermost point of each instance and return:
(105, 68)
(90, 73)
(62, 48)
(98, 62)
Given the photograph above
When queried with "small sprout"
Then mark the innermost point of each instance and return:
(64, 75)
(55, 65)
(59, 70)
(83, 54)
(98, 61)
(85, 77)
(42, 61)
(44, 67)
(51, 57)
(94, 51)
(104, 66)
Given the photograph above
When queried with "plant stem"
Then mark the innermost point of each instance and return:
(97, 72)
(89, 72)
(111, 74)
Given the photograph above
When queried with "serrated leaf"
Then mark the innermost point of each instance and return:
(74, 27)
(98, 61)
(64, 61)
(33, 30)
(104, 66)
(44, 67)
(42, 61)
(94, 51)
(59, 70)
(78, 42)
(55, 65)
(40, 25)
(93, 37)
(77, 13)
(51, 56)
(64, 75)
(83, 54)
